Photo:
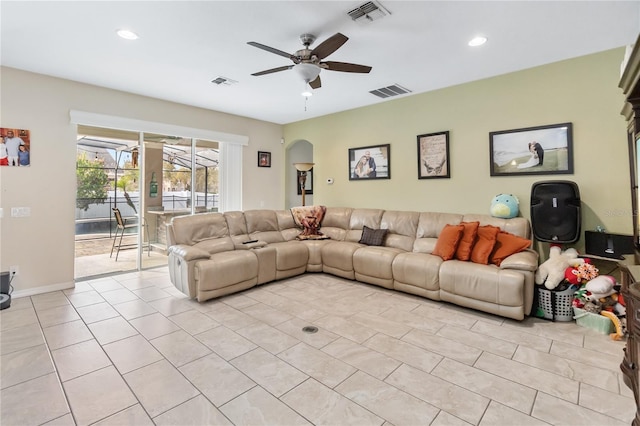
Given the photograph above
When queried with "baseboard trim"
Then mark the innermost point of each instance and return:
(43, 289)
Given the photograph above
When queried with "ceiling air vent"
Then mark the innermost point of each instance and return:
(369, 11)
(387, 92)
(223, 80)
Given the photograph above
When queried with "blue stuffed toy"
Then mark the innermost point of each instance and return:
(505, 206)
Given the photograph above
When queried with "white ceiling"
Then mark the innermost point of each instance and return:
(184, 45)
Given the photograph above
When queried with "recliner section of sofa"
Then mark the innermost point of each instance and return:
(208, 257)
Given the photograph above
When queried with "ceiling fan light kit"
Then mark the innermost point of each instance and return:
(127, 34)
(477, 41)
(308, 72)
(308, 63)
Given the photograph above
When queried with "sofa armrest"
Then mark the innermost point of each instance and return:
(526, 260)
(189, 253)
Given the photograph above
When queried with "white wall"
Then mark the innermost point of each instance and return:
(42, 245)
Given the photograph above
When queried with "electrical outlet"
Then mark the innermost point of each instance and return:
(14, 270)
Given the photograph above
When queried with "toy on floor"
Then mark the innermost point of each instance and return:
(620, 327)
(551, 272)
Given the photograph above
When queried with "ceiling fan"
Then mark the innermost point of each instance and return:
(308, 63)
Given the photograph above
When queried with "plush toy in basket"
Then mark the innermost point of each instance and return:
(552, 271)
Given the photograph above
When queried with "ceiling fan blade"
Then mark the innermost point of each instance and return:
(315, 84)
(329, 46)
(345, 67)
(272, 70)
(271, 49)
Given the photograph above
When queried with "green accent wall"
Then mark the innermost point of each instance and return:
(583, 91)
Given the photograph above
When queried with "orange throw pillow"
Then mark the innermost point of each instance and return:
(448, 241)
(506, 245)
(468, 239)
(484, 244)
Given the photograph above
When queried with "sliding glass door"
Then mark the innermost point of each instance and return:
(149, 179)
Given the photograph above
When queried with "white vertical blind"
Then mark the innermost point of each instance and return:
(230, 177)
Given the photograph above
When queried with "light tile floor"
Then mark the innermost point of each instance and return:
(131, 350)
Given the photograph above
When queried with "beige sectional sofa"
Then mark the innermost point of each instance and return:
(207, 257)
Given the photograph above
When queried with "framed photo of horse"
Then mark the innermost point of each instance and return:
(542, 150)
(433, 156)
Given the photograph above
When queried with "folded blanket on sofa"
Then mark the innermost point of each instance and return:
(309, 218)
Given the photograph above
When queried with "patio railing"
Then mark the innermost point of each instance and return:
(98, 218)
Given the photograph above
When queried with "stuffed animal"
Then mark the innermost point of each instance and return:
(571, 275)
(505, 206)
(581, 274)
(551, 272)
(587, 271)
(601, 286)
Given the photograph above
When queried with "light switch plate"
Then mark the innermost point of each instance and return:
(20, 211)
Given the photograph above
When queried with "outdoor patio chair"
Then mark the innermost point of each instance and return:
(121, 227)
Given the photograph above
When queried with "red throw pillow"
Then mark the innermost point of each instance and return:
(448, 241)
(484, 244)
(506, 245)
(468, 239)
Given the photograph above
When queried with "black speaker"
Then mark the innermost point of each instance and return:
(608, 245)
(555, 211)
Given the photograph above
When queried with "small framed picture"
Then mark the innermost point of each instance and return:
(15, 147)
(433, 155)
(264, 159)
(308, 183)
(370, 162)
(542, 150)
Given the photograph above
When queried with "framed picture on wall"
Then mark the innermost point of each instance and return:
(542, 150)
(264, 159)
(308, 184)
(370, 162)
(15, 147)
(433, 155)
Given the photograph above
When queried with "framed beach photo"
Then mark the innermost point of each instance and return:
(433, 155)
(542, 150)
(15, 147)
(370, 162)
(264, 159)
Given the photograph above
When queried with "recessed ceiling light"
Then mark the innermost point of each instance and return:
(307, 93)
(477, 41)
(127, 34)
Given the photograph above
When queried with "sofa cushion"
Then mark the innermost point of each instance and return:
(402, 228)
(263, 225)
(372, 237)
(468, 240)
(506, 245)
(431, 224)
(484, 244)
(359, 219)
(190, 230)
(519, 226)
(448, 241)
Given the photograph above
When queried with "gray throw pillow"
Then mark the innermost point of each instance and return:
(372, 237)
